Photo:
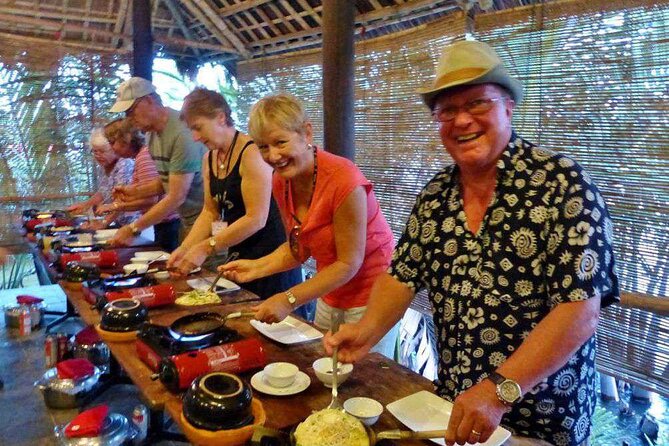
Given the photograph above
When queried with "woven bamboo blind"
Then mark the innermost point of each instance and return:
(597, 83)
(50, 98)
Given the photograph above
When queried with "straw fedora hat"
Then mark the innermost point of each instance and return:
(469, 62)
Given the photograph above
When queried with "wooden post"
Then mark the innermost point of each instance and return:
(142, 39)
(338, 76)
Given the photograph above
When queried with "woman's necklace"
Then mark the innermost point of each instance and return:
(225, 164)
(313, 188)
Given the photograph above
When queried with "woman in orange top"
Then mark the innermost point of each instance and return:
(332, 214)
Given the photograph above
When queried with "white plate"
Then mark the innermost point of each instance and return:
(152, 255)
(203, 283)
(300, 384)
(288, 331)
(425, 411)
(105, 234)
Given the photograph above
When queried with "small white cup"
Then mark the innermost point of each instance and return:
(365, 409)
(280, 374)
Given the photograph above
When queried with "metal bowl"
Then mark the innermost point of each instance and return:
(116, 431)
(65, 393)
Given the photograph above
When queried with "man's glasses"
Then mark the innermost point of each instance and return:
(475, 107)
(132, 108)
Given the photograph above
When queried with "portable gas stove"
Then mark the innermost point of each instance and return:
(94, 290)
(156, 341)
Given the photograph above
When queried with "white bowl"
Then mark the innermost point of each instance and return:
(367, 410)
(323, 369)
(135, 268)
(280, 374)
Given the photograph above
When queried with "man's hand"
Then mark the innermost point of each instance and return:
(476, 414)
(274, 309)
(353, 342)
(241, 271)
(123, 237)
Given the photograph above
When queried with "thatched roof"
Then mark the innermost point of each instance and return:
(196, 31)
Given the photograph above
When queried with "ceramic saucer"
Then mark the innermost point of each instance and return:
(301, 382)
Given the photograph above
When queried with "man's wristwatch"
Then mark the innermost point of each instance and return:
(212, 246)
(135, 230)
(508, 391)
(291, 298)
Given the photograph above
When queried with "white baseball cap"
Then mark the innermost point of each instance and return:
(129, 91)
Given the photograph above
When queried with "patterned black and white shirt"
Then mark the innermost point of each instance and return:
(545, 239)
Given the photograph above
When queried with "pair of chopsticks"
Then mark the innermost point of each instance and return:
(230, 257)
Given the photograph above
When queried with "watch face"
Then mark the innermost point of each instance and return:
(508, 391)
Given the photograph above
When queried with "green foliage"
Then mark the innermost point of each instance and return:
(15, 270)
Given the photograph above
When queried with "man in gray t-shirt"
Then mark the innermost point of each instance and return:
(178, 159)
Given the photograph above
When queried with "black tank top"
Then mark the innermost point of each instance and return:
(266, 239)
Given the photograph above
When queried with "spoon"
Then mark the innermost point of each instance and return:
(337, 319)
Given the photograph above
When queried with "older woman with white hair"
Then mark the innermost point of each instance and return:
(115, 171)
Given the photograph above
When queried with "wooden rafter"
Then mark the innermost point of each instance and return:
(49, 24)
(200, 16)
(120, 20)
(221, 26)
(176, 14)
(232, 10)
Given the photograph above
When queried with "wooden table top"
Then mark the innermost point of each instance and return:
(375, 376)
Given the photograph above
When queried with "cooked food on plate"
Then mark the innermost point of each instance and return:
(331, 427)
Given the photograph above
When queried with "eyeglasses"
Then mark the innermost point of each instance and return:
(475, 107)
(132, 108)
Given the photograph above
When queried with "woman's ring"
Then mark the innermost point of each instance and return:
(476, 433)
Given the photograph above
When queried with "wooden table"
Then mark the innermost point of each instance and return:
(375, 376)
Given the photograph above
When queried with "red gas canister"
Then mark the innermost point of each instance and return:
(178, 371)
(103, 259)
(151, 296)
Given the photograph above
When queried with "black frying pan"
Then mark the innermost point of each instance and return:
(197, 324)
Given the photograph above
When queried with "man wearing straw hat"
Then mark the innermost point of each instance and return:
(177, 156)
(514, 245)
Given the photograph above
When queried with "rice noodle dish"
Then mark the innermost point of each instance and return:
(331, 427)
(197, 297)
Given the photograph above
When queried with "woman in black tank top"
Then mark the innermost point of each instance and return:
(239, 216)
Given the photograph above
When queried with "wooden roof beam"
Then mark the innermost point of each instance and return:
(404, 10)
(57, 15)
(316, 38)
(245, 6)
(221, 26)
(176, 14)
(50, 24)
(120, 20)
(43, 40)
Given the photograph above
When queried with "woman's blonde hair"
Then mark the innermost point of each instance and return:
(124, 130)
(207, 103)
(282, 110)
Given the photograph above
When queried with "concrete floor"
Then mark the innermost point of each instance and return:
(24, 418)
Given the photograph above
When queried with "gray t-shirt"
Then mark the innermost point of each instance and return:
(175, 152)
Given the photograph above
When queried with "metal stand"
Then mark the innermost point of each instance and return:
(158, 429)
(70, 311)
